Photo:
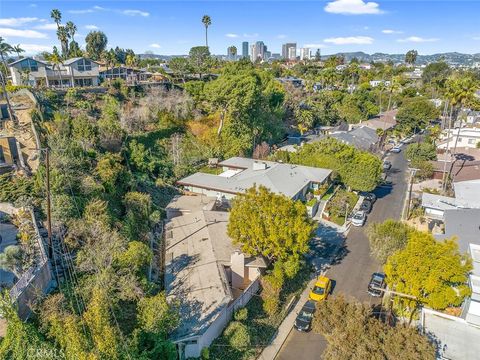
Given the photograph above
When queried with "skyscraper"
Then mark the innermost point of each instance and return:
(232, 53)
(305, 54)
(289, 51)
(245, 49)
(258, 51)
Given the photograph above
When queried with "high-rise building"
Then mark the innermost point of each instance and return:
(258, 51)
(245, 49)
(289, 51)
(305, 54)
(231, 53)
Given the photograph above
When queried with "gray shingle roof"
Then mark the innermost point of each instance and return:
(463, 224)
(279, 178)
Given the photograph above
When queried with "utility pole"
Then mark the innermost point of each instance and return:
(410, 191)
(49, 205)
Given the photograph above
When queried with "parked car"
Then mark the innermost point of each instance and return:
(303, 321)
(359, 218)
(376, 283)
(321, 289)
(387, 165)
(369, 196)
(366, 206)
(396, 149)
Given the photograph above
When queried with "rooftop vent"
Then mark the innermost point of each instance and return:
(259, 165)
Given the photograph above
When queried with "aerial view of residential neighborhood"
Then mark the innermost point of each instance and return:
(239, 180)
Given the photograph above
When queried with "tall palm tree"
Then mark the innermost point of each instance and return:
(17, 49)
(63, 35)
(71, 29)
(207, 21)
(460, 92)
(6, 49)
(56, 15)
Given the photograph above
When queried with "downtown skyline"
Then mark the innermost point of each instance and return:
(172, 28)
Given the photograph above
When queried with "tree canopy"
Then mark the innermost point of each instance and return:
(353, 333)
(388, 237)
(272, 225)
(415, 114)
(432, 271)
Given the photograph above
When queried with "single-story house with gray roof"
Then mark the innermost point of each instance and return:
(239, 174)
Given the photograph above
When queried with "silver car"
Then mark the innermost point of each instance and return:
(359, 218)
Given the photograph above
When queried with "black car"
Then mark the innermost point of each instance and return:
(366, 206)
(303, 322)
(369, 196)
(376, 283)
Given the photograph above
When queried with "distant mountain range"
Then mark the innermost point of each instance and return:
(452, 58)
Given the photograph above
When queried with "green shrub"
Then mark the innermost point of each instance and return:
(271, 305)
(205, 353)
(238, 336)
(241, 314)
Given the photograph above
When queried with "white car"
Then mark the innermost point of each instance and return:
(359, 218)
(396, 149)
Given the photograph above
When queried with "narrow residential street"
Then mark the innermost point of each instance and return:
(353, 266)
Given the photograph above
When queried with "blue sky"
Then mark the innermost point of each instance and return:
(172, 27)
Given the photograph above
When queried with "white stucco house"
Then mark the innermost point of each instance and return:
(240, 174)
(467, 137)
(79, 71)
(205, 273)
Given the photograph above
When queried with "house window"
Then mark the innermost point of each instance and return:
(459, 139)
(29, 64)
(83, 82)
(84, 65)
(471, 141)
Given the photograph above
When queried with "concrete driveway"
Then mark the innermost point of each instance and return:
(354, 265)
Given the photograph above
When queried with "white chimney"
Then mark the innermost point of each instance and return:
(259, 165)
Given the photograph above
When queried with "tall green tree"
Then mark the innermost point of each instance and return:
(56, 15)
(272, 225)
(432, 271)
(96, 44)
(411, 57)
(62, 34)
(353, 333)
(18, 50)
(388, 237)
(415, 114)
(206, 21)
(199, 57)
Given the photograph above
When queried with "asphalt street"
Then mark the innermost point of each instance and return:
(353, 265)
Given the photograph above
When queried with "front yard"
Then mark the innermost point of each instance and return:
(260, 326)
(339, 206)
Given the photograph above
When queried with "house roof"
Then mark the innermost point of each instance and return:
(197, 246)
(438, 202)
(75, 59)
(468, 193)
(28, 57)
(361, 137)
(279, 178)
(464, 224)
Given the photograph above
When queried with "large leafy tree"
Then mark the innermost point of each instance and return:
(387, 237)
(199, 57)
(411, 57)
(96, 44)
(272, 225)
(434, 272)
(353, 333)
(415, 114)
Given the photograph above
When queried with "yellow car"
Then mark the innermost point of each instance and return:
(321, 289)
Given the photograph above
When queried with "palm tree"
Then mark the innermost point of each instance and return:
(207, 21)
(460, 92)
(56, 15)
(5, 49)
(110, 60)
(18, 50)
(63, 35)
(56, 61)
(71, 29)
